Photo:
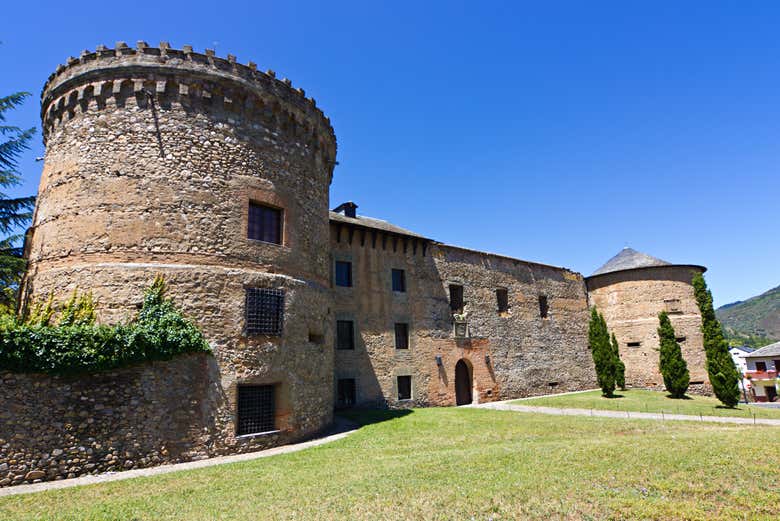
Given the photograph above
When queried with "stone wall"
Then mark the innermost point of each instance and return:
(631, 301)
(509, 354)
(61, 427)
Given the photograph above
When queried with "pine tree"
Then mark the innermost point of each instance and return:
(722, 372)
(673, 367)
(620, 367)
(14, 212)
(601, 349)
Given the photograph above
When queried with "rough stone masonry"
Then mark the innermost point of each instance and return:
(216, 176)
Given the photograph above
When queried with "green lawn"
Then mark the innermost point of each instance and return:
(448, 463)
(650, 401)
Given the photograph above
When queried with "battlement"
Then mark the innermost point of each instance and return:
(171, 74)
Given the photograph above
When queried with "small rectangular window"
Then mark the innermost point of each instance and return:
(761, 366)
(404, 387)
(673, 306)
(264, 311)
(345, 393)
(401, 336)
(265, 223)
(399, 280)
(544, 307)
(634, 344)
(255, 409)
(456, 297)
(344, 274)
(345, 334)
(680, 339)
(502, 299)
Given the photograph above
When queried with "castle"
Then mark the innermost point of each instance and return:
(216, 175)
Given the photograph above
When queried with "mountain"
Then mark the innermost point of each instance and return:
(755, 321)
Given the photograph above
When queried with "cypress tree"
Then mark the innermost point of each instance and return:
(672, 364)
(601, 349)
(722, 372)
(620, 367)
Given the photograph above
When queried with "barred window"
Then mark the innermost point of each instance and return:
(345, 396)
(264, 311)
(256, 409)
(265, 223)
(401, 336)
(345, 334)
(404, 387)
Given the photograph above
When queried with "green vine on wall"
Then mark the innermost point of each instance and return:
(68, 341)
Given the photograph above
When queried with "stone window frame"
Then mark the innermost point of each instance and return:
(462, 286)
(544, 305)
(505, 311)
(404, 278)
(407, 374)
(355, 335)
(270, 199)
(405, 321)
(356, 389)
(343, 257)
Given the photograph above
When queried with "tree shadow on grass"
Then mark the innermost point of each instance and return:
(684, 397)
(613, 396)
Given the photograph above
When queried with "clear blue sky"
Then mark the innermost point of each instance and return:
(557, 132)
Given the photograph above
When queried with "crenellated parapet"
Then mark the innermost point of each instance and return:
(193, 81)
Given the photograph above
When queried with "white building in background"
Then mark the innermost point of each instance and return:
(763, 366)
(738, 356)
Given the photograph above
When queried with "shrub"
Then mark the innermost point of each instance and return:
(76, 344)
(620, 367)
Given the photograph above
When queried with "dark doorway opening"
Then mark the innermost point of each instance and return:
(771, 393)
(462, 383)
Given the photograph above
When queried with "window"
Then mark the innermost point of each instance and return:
(401, 336)
(634, 344)
(456, 297)
(777, 365)
(256, 409)
(399, 281)
(544, 307)
(344, 274)
(502, 299)
(345, 393)
(680, 339)
(761, 366)
(672, 306)
(265, 223)
(345, 334)
(404, 387)
(264, 311)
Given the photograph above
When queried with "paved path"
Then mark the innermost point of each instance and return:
(341, 429)
(508, 406)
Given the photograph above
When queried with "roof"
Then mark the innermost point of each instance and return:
(629, 259)
(376, 224)
(744, 349)
(770, 350)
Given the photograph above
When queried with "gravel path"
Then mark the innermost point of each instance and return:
(507, 406)
(341, 429)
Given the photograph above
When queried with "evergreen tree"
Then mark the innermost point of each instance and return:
(620, 367)
(722, 372)
(601, 349)
(672, 364)
(15, 212)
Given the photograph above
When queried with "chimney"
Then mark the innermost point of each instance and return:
(349, 209)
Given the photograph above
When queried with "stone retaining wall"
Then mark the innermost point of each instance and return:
(53, 428)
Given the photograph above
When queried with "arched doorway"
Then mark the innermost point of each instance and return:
(462, 383)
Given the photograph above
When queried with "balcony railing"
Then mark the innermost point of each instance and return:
(761, 375)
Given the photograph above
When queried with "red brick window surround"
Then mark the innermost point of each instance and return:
(264, 223)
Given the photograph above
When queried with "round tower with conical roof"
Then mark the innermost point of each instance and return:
(631, 289)
(215, 175)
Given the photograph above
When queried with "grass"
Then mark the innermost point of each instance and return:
(641, 400)
(456, 463)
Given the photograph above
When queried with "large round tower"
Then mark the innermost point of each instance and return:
(215, 175)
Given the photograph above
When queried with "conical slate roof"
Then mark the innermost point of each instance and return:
(628, 259)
